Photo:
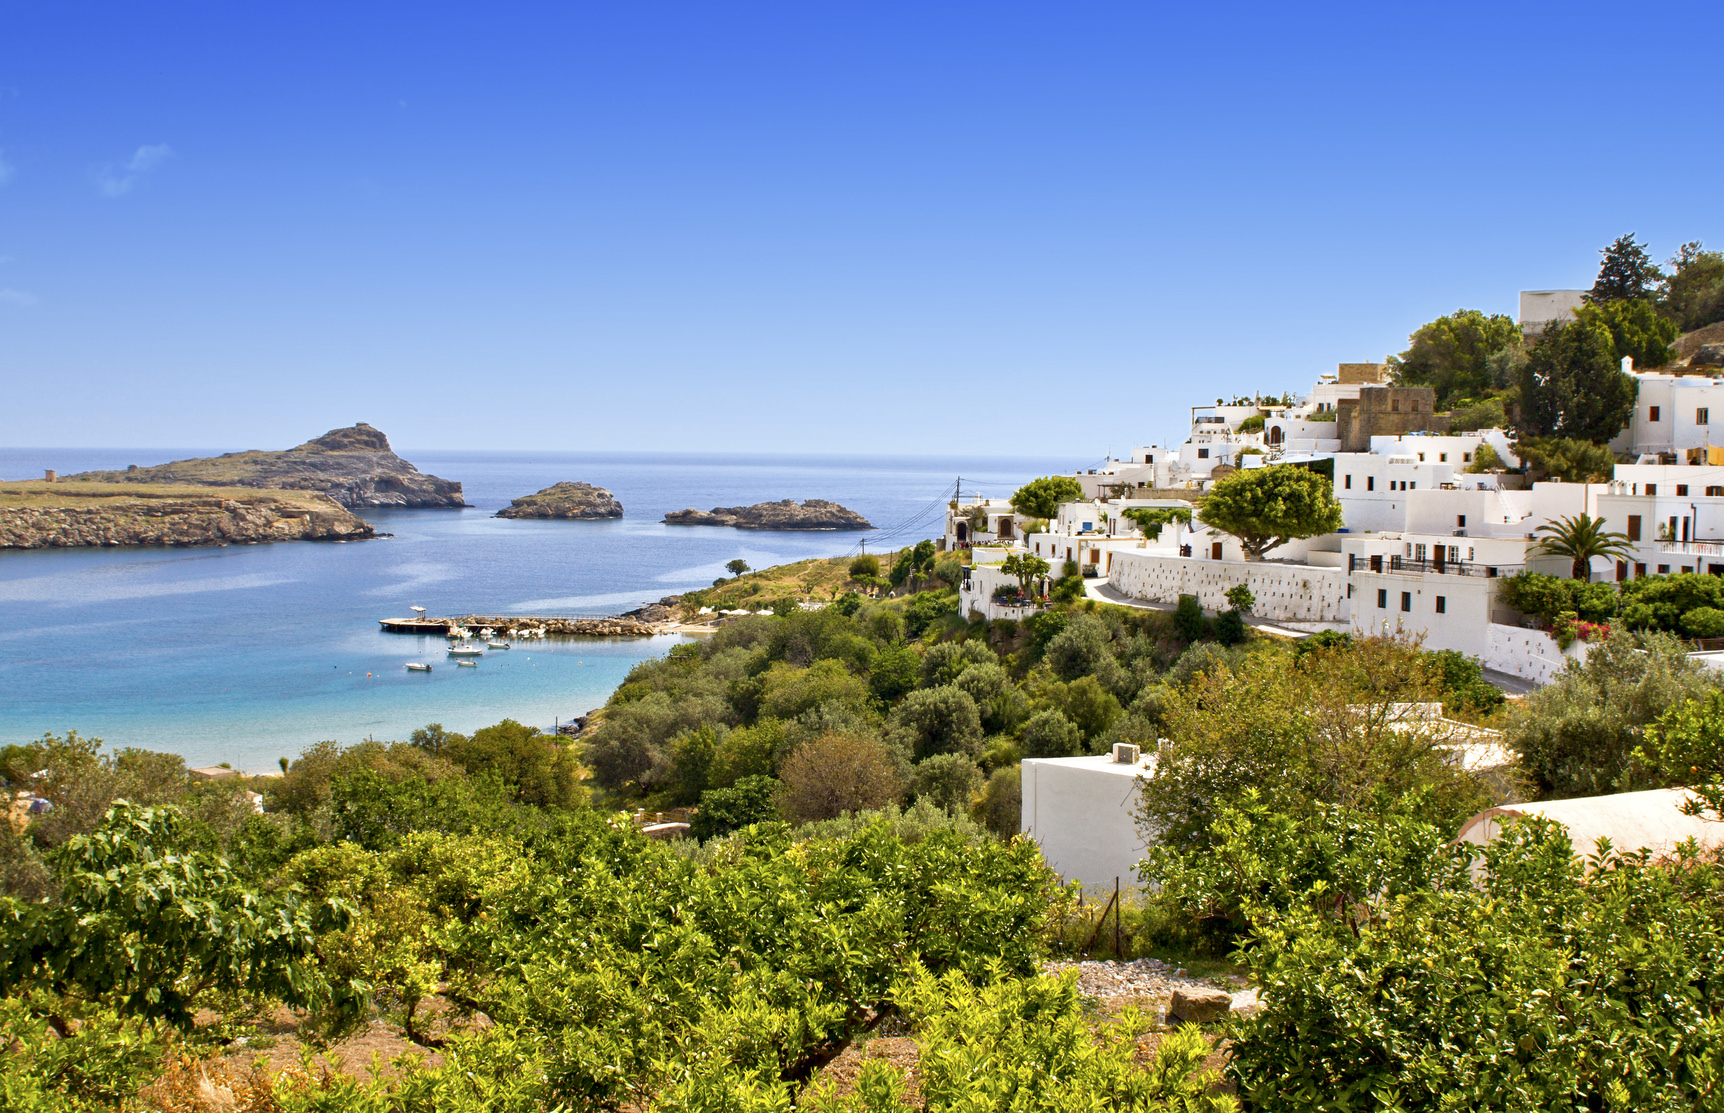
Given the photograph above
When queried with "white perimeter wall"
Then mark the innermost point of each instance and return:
(1529, 654)
(1079, 811)
(1287, 592)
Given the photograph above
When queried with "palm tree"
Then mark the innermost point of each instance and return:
(1580, 539)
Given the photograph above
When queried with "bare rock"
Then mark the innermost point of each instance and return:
(1198, 1006)
(1707, 355)
(565, 500)
(79, 515)
(782, 515)
(354, 466)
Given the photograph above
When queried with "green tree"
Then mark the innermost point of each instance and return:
(1572, 385)
(1268, 507)
(1694, 292)
(1686, 745)
(1050, 734)
(536, 765)
(1572, 461)
(1485, 458)
(1151, 519)
(948, 781)
(1636, 329)
(149, 925)
(1027, 567)
(1578, 735)
(1580, 539)
(1041, 498)
(936, 721)
(1458, 356)
(837, 773)
(1239, 597)
(736, 567)
(723, 810)
(865, 567)
(1626, 274)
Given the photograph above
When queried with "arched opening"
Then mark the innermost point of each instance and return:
(1275, 434)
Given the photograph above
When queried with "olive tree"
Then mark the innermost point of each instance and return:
(1268, 507)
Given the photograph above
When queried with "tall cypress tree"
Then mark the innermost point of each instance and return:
(1627, 273)
(1572, 386)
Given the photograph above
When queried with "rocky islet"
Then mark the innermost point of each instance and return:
(565, 501)
(785, 514)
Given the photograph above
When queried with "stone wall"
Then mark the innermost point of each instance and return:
(1289, 592)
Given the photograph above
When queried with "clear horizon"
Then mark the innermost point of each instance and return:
(972, 230)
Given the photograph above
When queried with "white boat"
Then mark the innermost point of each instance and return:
(418, 666)
(497, 644)
(468, 664)
(466, 649)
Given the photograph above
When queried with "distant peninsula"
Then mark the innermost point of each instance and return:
(565, 500)
(785, 514)
(75, 514)
(353, 466)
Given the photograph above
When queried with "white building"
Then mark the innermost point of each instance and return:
(1539, 308)
(1081, 811)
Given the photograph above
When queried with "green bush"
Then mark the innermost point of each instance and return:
(948, 781)
(722, 810)
(1188, 619)
(1050, 734)
(1703, 622)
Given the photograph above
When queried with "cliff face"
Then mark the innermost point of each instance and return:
(42, 516)
(565, 500)
(785, 514)
(353, 466)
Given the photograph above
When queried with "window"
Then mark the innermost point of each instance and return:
(1370, 483)
(1466, 457)
(1419, 552)
(1348, 484)
(1203, 454)
(1383, 598)
(1421, 457)
(1664, 569)
(1639, 571)
(1621, 570)
(1442, 457)
(1652, 488)
(1414, 485)
(1454, 554)
(1407, 601)
(1215, 550)
(1715, 492)
(1442, 604)
(1652, 413)
(1682, 489)
(1395, 405)
(1701, 415)
(1634, 527)
(1460, 521)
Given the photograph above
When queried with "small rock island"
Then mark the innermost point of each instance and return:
(354, 466)
(565, 500)
(784, 514)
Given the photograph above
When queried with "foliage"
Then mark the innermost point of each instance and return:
(1581, 539)
(946, 662)
(1694, 292)
(1686, 746)
(924, 610)
(1267, 507)
(1461, 680)
(1454, 355)
(147, 925)
(1329, 727)
(1050, 734)
(1482, 413)
(1002, 801)
(1636, 329)
(948, 781)
(1572, 386)
(1485, 459)
(1069, 587)
(1578, 735)
(837, 773)
(749, 800)
(1239, 597)
(1252, 424)
(1626, 274)
(1027, 567)
(936, 721)
(1151, 519)
(1547, 985)
(1041, 498)
(1188, 618)
(865, 567)
(1572, 461)
(98, 1066)
(1230, 628)
(1546, 596)
(736, 567)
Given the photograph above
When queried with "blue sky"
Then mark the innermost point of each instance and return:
(968, 228)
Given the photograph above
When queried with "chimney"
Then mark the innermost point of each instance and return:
(49, 476)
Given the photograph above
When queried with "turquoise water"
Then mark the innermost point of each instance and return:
(249, 653)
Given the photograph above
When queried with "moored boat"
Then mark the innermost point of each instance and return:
(468, 664)
(497, 644)
(466, 649)
(418, 666)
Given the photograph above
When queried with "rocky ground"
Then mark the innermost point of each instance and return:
(354, 466)
(784, 514)
(1147, 981)
(565, 500)
(79, 515)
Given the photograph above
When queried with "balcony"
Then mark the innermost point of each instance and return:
(1693, 548)
(1406, 566)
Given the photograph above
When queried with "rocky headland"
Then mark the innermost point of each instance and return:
(68, 515)
(565, 500)
(785, 514)
(354, 466)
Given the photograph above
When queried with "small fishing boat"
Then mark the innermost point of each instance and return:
(418, 666)
(466, 649)
(497, 644)
(468, 664)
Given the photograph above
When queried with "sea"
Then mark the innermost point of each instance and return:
(246, 654)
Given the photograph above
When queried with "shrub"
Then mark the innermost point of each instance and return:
(948, 781)
(894, 672)
(936, 721)
(1230, 628)
(1002, 802)
(943, 663)
(745, 752)
(1080, 648)
(1188, 619)
(865, 567)
(834, 774)
(722, 810)
(1704, 622)
(1050, 734)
